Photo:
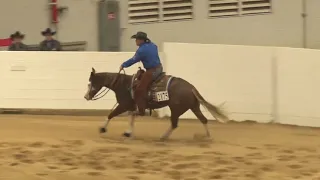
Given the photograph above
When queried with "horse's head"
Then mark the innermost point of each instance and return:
(94, 86)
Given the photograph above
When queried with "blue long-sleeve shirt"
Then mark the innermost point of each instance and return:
(147, 53)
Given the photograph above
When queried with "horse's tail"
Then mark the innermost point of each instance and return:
(215, 111)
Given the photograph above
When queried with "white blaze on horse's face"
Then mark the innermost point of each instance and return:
(88, 95)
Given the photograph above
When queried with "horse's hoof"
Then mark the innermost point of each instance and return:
(126, 134)
(103, 130)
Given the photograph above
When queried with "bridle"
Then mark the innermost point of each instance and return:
(106, 90)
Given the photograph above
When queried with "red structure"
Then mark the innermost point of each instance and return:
(54, 11)
(5, 42)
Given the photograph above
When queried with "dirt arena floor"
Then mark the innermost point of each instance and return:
(70, 148)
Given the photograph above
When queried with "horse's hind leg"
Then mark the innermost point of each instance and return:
(174, 125)
(197, 111)
(175, 114)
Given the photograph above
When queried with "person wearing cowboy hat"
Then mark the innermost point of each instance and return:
(147, 53)
(49, 44)
(17, 44)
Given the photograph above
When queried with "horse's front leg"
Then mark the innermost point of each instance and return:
(130, 131)
(117, 111)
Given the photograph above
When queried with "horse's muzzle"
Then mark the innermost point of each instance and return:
(87, 98)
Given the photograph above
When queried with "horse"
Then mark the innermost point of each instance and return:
(166, 90)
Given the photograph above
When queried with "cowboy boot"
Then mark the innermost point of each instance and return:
(141, 103)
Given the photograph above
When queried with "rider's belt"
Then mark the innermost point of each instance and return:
(154, 68)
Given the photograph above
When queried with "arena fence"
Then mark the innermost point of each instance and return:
(264, 84)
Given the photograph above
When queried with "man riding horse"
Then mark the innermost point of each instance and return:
(155, 90)
(147, 53)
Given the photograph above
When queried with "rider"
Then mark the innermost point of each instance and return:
(147, 53)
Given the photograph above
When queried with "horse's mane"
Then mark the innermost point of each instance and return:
(123, 80)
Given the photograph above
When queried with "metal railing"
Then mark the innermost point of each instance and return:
(66, 46)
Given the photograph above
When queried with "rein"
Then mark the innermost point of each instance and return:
(106, 90)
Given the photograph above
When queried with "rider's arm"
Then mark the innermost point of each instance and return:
(136, 58)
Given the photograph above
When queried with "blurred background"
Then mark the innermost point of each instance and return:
(106, 25)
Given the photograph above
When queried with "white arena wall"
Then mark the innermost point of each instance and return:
(55, 80)
(254, 83)
(240, 76)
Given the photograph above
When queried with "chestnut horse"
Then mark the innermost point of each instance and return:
(166, 90)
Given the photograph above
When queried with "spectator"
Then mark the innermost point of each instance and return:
(49, 44)
(17, 44)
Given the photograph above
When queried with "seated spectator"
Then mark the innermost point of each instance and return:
(49, 44)
(17, 44)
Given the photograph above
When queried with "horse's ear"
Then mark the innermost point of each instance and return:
(92, 74)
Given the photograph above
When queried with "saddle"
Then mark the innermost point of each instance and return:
(139, 75)
(157, 90)
(159, 85)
